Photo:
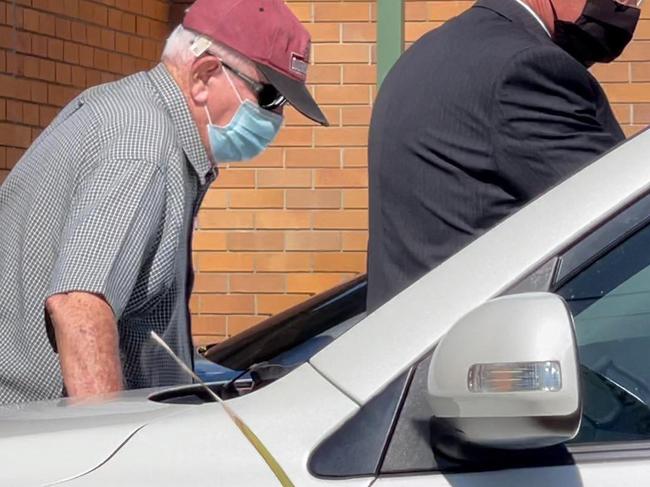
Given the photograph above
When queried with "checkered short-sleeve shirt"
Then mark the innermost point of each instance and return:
(103, 202)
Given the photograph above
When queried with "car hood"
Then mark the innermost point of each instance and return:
(130, 440)
(66, 440)
(199, 446)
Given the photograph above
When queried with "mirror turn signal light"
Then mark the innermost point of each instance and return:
(515, 377)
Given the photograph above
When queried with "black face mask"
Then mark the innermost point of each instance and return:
(600, 34)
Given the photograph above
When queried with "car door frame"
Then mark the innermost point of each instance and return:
(550, 276)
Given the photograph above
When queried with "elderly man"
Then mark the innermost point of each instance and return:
(97, 216)
(479, 117)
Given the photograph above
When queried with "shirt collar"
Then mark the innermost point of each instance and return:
(534, 14)
(174, 100)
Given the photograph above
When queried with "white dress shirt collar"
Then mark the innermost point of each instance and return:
(534, 14)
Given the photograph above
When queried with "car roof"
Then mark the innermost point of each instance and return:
(388, 341)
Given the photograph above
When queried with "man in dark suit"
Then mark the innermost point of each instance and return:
(479, 117)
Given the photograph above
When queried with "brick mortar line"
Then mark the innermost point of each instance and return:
(56, 61)
(79, 19)
(47, 105)
(112, 7)
(14, 28)
(79, 43)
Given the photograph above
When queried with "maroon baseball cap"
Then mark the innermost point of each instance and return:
(266, 32)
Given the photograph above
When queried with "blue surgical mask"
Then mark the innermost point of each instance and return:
(249, 132)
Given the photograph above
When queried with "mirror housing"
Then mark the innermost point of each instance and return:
(506, 375)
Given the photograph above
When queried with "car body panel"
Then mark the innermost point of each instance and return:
(203, 446)
(412, 322)
(60, 434)
(186, 449)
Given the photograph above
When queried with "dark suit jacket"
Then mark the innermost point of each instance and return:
(475, 119)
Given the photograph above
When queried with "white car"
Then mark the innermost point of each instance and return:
(522, 360)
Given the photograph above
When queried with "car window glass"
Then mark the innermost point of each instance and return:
(610, 302)
(298, 332)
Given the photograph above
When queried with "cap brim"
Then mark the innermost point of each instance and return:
(296, 94)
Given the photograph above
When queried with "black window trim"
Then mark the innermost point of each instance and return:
(601, 240)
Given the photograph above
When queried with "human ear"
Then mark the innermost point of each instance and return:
(201, 71)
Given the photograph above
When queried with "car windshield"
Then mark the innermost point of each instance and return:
(295, 335)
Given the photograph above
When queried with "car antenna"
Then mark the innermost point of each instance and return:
(273, 464)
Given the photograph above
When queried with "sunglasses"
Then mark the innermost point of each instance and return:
(268, 97)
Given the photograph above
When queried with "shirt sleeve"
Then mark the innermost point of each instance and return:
(547, 124)
(115, 216)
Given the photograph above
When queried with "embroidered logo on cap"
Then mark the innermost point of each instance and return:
(298, 64)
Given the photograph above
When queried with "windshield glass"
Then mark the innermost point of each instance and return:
(293, 336)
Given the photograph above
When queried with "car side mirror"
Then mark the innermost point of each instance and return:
(506, 375)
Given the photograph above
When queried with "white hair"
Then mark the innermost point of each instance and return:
(177, 50)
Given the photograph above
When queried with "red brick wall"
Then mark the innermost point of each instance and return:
(294, 221)
(50, 50)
